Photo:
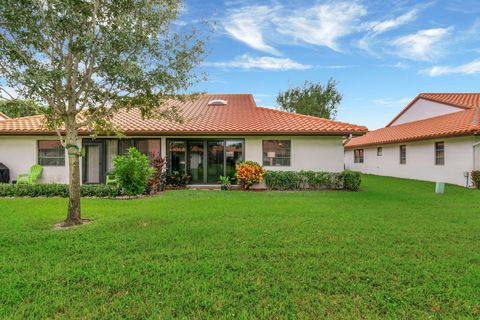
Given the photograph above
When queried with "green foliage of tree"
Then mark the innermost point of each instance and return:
(313, 99)
(95, 57)
(16, 108)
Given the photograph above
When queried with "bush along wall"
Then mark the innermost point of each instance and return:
(58, 190)
(313, 180)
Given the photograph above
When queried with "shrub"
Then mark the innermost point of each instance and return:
(157, 178)
(249, 173)
(133, 171)
(57, 190)
(351, 180)
(302, 180)
(476, 178)
(312, 180)
(177, 180)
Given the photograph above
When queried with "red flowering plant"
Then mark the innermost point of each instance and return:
(156, 182)
(249, 173)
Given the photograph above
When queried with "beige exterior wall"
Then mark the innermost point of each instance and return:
(424, 109)
(19, 153)
(307, 153)
(459, 159)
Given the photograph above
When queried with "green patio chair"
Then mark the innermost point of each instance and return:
(32, 177)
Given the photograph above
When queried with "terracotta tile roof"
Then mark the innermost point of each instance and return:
(463, 100)
(239, 116)
(459, 100)
(453, 124)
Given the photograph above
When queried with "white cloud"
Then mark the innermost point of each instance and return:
(393, 103)
(263, 63)
(387, 25)
(322, 24)
(467, 68)
(247, 25)
(423, 45)
(319, 25)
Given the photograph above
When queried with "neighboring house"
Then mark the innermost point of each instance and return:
(434, 138)
(218, 131)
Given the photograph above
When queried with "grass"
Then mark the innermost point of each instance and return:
(393, 250)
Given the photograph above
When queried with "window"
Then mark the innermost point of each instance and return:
(439, 153)
(111, 147)
(379, 151)
(51, 153)
(123, 146)
(403, 154)
(276, 152)
(149, 147)
(358, 156)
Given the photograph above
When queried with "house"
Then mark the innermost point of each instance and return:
(217, 132)
(434, 138)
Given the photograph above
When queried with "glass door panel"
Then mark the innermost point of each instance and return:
(93, 164)
(195, 161)
(177, 150)
(215, 160)
(233, 156)
(112, 151)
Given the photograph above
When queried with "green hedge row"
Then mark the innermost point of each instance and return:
(58, 190)
(312, 180)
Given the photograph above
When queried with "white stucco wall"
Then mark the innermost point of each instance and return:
(20, 153)
(424, 109)
(307, 153)
(420, 160)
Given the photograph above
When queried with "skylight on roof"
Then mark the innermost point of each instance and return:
(217, 102)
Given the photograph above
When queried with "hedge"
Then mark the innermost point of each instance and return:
(312, 180)
(57, 190)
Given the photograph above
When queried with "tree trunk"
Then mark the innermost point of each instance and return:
(73, 216)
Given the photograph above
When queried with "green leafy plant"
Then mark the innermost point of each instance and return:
(58, 190)
(133, 171)
(157, 180)
(351, 180)
(312, 180)
(249, 173)
(476, 178)
(177, 180)
(225, 182)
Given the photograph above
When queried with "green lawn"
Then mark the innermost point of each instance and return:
(393, 250)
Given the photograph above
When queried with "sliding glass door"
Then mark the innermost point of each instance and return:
(215, 165)
(195, 161)
(204, 160)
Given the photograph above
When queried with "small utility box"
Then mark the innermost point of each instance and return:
(440, 187)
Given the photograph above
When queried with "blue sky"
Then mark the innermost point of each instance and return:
(381, 52)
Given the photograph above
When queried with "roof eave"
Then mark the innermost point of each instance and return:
(459, 134)
(198, 133)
